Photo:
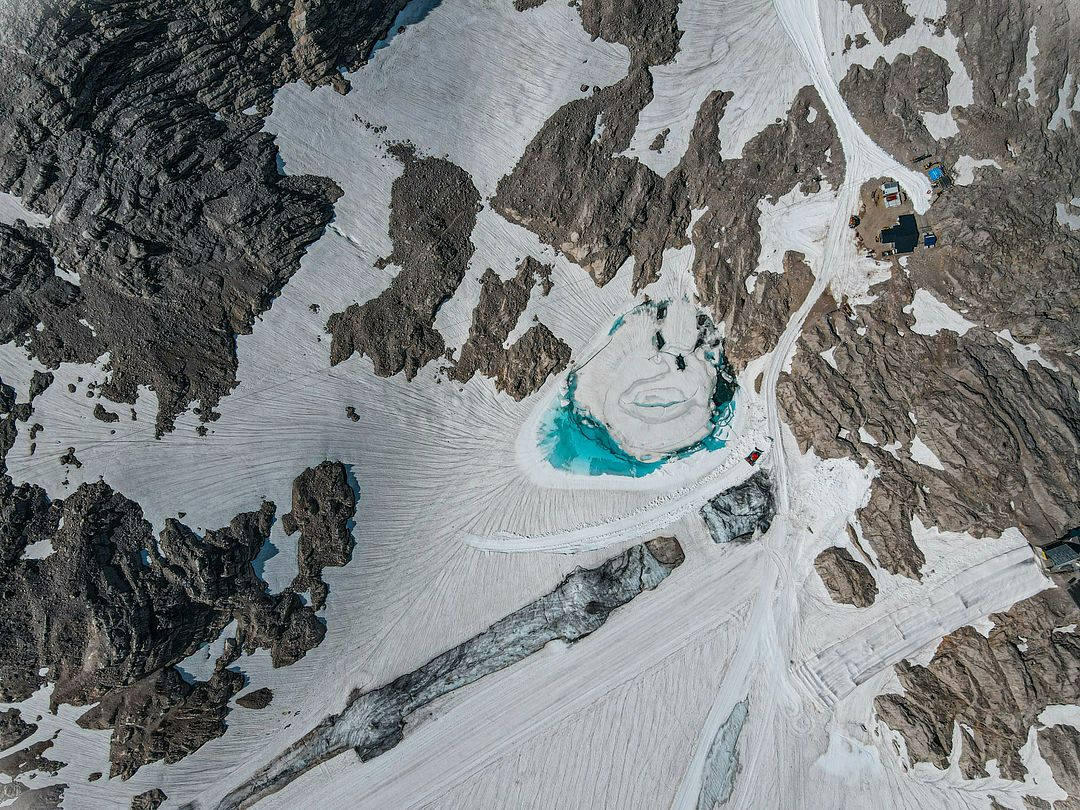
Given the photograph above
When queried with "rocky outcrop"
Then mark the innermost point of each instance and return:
(995, 687)
(1060, 747)
(889, 19)
(578, 193)
(432, 213)
(150, 800)
(162, 718)
(741, 512)
(848, 581)
(103, 415)
(890, 98)
(108, 615)
(13, 729)
(29, 288)
(1006, 435)
(521, 368)
(650, 30)
(31, 758)
(127, 127)
(374, 722)
(323, 506)
(759, 317)
(802, 152)
(46, 798)
(256, 699)
(615, 207)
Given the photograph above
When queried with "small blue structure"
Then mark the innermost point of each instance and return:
(929, 239)
(936, 173)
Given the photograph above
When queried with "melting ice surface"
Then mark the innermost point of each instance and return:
(657, 389)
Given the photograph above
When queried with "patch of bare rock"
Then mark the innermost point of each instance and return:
(848, 581)
(995, 687)
(433, 207)
(126, 125)
(106, 617)
(521, 368)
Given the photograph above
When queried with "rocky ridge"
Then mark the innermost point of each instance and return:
(127, 125)
(522, 367)
(110, 611)
(994, 412)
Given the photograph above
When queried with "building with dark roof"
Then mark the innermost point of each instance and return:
(1062, 557)
(903, 236)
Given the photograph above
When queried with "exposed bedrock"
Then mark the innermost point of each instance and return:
(163, 717)
(521, 368)
(46, 798)
(30, 290)
(1006, 435)
(323, 505)
(995, 687)
(741, 512)
(31, 758)
(990, 231)
(847, 580)
(1060, 747)
(106, 616)
(758, 318)
(256, 699)
(13, 729)
(889, 19)
(374, 722)
(433, 207)
(150, 800)
(889, 100)
(124, 123)
(648, 28)
(802, 152)
(575, 190)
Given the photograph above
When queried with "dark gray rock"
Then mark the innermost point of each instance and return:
(256, 699)
(103, 415)
(29, 287)
(649, 28)
(46, 798)
(112, 610)
(743, 512)
(125, 124)
(150, 800)
(323, 506)
(1008, 435)
(432, 213)
(581, 196)
(521, 368)
(796, 153)
(13, 729)
(162, 717)
(31, 758)
(374, 722)
(1060, 747)
(758, 318)
(848, 581)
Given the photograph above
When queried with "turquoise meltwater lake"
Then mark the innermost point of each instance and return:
(574, 440)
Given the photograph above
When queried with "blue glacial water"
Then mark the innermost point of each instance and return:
(575, 441)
